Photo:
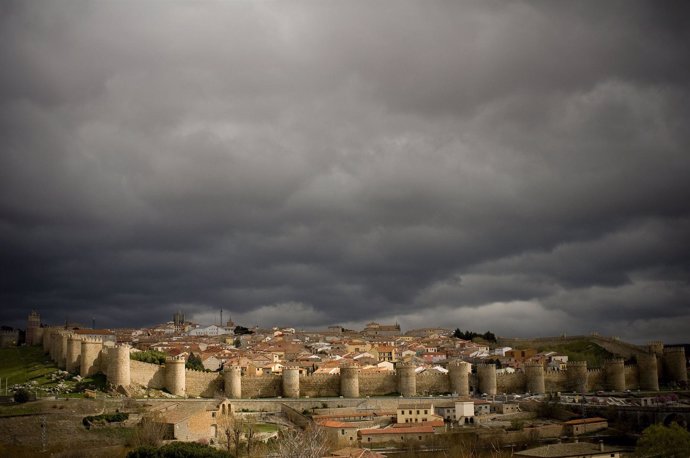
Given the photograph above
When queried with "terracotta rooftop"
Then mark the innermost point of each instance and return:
(579, 449)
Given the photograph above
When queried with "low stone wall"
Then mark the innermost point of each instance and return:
(295, 416)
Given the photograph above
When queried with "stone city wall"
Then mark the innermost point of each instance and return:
(266, 386)
(204, 384)
(511, 383)
(319, 385)
(433, 382)
(555, 381)
(210, 384)
(377, 384)
(147, 374)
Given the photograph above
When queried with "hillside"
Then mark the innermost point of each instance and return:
(19, 365)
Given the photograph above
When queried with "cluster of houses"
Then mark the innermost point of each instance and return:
(376, 348)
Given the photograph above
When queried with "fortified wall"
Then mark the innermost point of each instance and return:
(90, 356)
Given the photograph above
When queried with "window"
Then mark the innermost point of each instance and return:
(426, 412)
(418, 412)
(420, 437)
(213, 414)
(368, 439)
(342, 431)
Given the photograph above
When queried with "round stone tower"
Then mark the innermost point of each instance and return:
(407, 379)
(657, 347)
(534, 374)
(53, 350)
(349, 381)
(648, 371)
(291, 382)
(47, 336)
(118, 366)
(175, 375)
(576, 375)
(459, 377)
(62, 349)
(90, 356)
(232, 377)
(614, 371)
(33, 323)
(73, 363)
(674, 365)
(487, 378)
(38, 335)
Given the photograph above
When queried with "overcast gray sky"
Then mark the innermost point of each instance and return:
(515, 166)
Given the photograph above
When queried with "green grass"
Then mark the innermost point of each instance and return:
(29, 408)
(265, 428)
(23, 364)
(581, 351)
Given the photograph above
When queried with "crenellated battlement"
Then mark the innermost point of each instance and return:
(232, 369)
(317, 377)
(175, 359)
(594, 371)
(674, 350)
(570, 364)
(92, 340)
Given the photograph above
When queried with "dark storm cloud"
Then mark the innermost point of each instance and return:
(519, 167)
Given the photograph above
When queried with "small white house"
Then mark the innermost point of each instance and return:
(464, 412)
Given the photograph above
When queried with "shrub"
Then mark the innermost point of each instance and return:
(177, 449)
(105, 418)
(149, 356)
(22, 395)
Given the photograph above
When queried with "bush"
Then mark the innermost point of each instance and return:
(177, 450)
(149, 356)
(105, 418)
(22, 395)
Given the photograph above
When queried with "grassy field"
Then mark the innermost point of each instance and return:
(265, 428)
(23, 364)
(19, 365)
(581, 351)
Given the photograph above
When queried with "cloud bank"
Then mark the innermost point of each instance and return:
(520, 167)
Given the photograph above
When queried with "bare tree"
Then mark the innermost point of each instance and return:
(309, 443)
(228, 431)
(150, 431)
(249, 434)
(232, 430)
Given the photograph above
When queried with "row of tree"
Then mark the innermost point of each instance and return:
(469, 335)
